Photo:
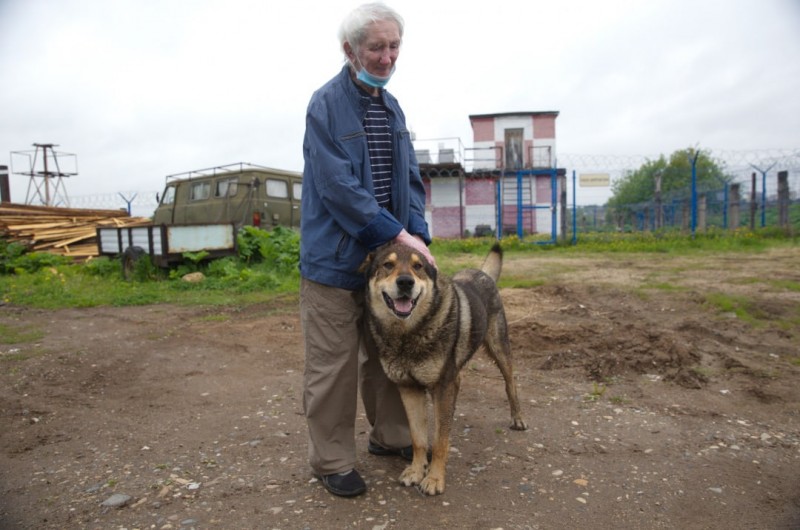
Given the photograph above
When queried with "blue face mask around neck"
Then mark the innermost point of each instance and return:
(375, 81)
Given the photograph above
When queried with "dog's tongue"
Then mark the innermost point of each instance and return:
(403, 305)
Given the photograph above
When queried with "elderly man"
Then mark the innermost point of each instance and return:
(361, 189)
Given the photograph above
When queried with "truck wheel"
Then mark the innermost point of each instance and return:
(129, 259)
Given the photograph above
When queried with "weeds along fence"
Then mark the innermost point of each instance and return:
(732, 206)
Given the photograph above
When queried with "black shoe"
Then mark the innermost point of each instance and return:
(347, 484)
(407, 453)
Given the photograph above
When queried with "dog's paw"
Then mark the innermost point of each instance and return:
(431, 485)
(519, 425)
(412, 475)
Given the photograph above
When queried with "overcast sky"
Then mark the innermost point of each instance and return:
(139, 89)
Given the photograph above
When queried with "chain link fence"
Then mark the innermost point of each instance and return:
(762, 190)
(735, 205)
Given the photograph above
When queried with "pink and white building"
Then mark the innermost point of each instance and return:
(512, 157)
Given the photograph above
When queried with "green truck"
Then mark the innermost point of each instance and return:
(242, 194)
(202, 210)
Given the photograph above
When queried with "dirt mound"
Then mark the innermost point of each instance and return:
(606, 334)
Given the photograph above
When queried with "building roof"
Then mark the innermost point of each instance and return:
(521, 113)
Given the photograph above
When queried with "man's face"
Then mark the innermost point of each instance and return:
(380, 48)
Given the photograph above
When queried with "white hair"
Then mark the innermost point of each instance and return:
(354, 27)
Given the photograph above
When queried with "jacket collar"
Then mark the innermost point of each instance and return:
(357, 97)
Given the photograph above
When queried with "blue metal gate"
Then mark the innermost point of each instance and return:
(524, 205)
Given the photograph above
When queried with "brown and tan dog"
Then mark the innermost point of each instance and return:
(426, 327)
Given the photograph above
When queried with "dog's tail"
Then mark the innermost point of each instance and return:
(493, 263)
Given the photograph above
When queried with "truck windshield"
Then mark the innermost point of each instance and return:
(169, 195)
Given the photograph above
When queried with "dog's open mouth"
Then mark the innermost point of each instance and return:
(402, 306)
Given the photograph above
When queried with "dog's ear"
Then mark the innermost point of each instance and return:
(431, 271)
(366, 266)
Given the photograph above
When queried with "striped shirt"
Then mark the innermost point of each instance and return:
(379, 140)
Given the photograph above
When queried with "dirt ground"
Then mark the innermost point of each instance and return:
(647, 407)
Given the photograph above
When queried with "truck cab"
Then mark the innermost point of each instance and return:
(242, 194)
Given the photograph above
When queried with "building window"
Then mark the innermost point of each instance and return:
(514, 149)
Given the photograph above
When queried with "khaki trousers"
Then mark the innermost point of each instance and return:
(338, 360)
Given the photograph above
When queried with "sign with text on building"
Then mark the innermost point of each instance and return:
(594, 180)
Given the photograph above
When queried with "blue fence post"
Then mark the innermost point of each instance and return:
(520, 234)
(764, 197)
(499, 202)
(725, 206)
(763, 192)
(553, 205)
(693, 161)
(553, 172)
(128, 201)
(574, 212)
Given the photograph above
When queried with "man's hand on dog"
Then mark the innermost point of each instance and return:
(415, 242)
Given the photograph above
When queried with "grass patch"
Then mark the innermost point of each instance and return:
(12, 335)
(18, 355)
(780, 285)
(786, 285)
(598, 390)
(73, 288)
(15, 356)
(678, 242)
(266, 269)
(664, 286)
(746, 281)
(520, 283)
(215, 318)
(741, 306)
(702, 371)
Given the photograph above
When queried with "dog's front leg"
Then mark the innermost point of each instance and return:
(444, 407)
(414, 400)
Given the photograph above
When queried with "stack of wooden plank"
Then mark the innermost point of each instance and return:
(66, 231)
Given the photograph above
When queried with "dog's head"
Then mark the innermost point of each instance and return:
(400, 281)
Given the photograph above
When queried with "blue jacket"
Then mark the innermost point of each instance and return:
(341, 220)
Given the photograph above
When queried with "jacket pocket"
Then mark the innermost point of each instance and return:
(352, 136)
(354, 144)
(341, 246)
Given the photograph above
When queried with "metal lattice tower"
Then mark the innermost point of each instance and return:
(46, 177)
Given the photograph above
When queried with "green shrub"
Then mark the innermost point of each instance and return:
(249, 241)
(9, 253)
(102, 267)
(227, 267)
(279, 247)
(15, 258)
(144, 270)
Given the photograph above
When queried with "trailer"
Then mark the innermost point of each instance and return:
(165, 244)
(202, 211)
